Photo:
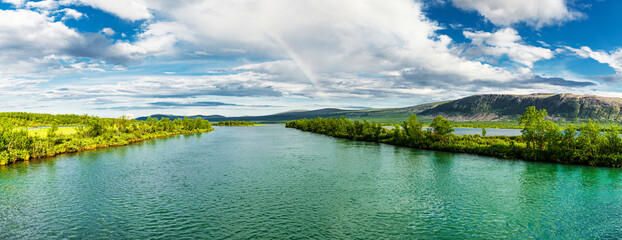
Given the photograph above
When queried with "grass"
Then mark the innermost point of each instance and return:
(43, 132)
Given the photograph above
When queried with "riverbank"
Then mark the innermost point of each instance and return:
(542, 141)
(21, 144)
(87, 145)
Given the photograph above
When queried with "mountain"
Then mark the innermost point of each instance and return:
(390, 115)
(488, 107)
(492, 107)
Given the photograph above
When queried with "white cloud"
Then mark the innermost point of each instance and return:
(108, 31)
(35, 45)
(507, 42)
(28, 39)
(19, 86)
(146, 87)
(35, 29)
(314, 49)
(536, 13)
(17, 3)
(126, 9)
(45, 4)
(71, 14)
(312, 41)
(612, 58)
(320, 40)
(156, 40)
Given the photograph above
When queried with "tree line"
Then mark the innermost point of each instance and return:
(16, 144)
(234, 123)
(23, 119)
(541, 139)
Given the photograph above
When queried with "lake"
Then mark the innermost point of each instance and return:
(274, 182)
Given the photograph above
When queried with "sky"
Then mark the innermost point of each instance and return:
(252, 57)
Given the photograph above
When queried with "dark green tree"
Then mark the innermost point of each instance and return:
(442, 128)
(533, 130)
(95, 128)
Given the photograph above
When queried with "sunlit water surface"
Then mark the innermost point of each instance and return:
(273, 182)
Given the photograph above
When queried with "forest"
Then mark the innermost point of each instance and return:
(17, 143)
(541, 139)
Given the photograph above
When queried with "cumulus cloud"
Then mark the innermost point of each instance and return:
(17, 3)
(45, 4)
(108, 31)
(29, 39)
(157, 39)
(34, 44)
(506, 42)
(69, 13)
(321, 41)
(612, 58)
(536, 13)
(126, 9)
(351, 49)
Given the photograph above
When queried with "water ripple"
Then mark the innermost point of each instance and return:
(272, 182)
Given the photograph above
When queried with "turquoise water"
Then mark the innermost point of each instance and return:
(273, 182)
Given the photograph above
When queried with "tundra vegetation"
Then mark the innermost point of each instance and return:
(17, 143)
(541, 139)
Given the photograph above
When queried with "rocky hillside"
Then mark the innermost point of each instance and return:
(492, 107)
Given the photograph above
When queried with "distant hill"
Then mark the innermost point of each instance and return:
(489, 107)
(492, 107)
(385, 115)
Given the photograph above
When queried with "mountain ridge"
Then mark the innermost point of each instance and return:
(485, 107)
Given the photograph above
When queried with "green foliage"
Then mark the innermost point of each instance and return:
(22, 119)
(533, 122)
(52, 131)
(542, 140)
(234, 123)
(442, 128)
(342, 127)
(16, 144)
(95, 128)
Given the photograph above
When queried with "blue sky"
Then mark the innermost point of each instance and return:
(248, 57)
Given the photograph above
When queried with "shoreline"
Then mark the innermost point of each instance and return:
(556, 147)
(449, 150)
(101, 146)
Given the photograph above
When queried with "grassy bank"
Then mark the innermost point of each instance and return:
(20, 144)
(542, 140)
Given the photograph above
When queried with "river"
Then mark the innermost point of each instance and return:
(274, 182)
